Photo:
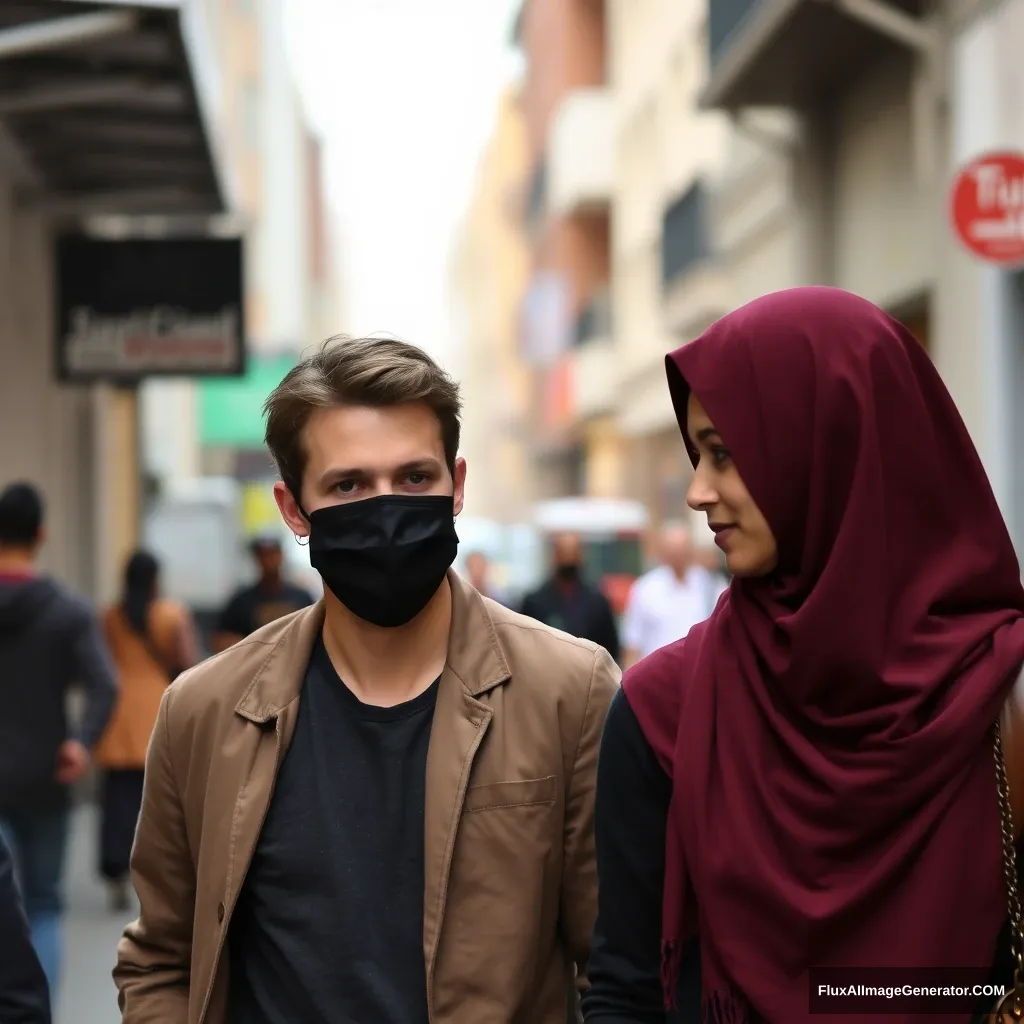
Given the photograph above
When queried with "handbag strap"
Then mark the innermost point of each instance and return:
(1009, 859)
(157, 656)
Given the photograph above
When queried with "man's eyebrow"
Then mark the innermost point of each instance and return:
(426, 465)
(341, 473)
(420, 466)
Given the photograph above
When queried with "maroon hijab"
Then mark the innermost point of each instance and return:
(828, 730)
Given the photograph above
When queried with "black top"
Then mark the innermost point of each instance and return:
(633, 794)
(24, 994)
(581, 611)
(632, 803)
(329, 924)
(254, 607)
(50, 641)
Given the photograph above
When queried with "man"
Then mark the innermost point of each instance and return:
(24, 998)
(49, 641)
(271, 597)
(378, 809)
(569, 603)
(667, 601)
(478, 570)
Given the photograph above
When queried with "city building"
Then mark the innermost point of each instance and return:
(979, 305)
(568, 114)
(490, 273)
(292, 286)
(667, 288)
(738, 147)
(865, 111)
(105, 109)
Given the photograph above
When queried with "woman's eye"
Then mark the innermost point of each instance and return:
(719, 456)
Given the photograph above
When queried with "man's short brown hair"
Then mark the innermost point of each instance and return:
(356, 371)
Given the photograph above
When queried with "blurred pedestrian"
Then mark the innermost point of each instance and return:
(24, 995)
(49, 641)
(379, 808)
(152, 640)
(829, 770)
(667, 601)
(569, 602)
(270, 598)
(478, 569)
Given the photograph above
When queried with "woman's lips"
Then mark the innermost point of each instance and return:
(722, 534)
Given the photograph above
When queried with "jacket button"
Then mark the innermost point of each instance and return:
(220, 912)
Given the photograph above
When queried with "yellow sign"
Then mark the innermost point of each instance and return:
(259, 510)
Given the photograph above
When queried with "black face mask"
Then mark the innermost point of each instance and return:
(569, 572)
(383, 558)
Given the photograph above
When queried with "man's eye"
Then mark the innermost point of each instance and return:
(347, 486)
(417, 478)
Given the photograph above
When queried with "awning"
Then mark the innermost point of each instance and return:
(103, 102)
(796, 53)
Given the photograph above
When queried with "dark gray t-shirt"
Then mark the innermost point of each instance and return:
(329, 925)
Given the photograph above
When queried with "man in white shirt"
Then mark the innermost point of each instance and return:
(667, 601)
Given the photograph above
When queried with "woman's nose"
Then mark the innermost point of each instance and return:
(700, 494)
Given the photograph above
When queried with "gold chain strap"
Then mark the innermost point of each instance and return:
(1013, 1004)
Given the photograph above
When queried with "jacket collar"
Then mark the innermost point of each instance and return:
(475, 654)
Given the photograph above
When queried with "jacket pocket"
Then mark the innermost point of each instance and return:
(525, 793)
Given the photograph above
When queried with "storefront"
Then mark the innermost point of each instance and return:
(101, 113)
(981, 330)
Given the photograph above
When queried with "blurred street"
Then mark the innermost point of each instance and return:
(88, 995)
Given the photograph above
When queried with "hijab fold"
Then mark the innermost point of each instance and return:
(828, 730)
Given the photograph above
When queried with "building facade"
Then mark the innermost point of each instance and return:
(490, 273)
(292, 289)
(980, 306)
(568, 114)
(130, 129)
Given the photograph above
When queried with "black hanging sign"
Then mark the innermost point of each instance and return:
(134, 308)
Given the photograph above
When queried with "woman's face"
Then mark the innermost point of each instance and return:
(717, 490)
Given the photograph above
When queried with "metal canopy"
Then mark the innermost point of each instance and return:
(798, 53)
(101, 100)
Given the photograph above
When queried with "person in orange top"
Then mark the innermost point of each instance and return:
(151, 639)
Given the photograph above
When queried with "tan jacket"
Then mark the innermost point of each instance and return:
(509, 817)
(141, 680)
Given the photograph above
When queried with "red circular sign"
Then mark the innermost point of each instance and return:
(988, 207)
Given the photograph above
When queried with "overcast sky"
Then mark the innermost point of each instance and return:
(404, 93)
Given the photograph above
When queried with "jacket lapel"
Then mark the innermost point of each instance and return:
(270, 707)
(476, 664)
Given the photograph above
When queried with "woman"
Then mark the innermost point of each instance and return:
(809, 779)
(151, 640)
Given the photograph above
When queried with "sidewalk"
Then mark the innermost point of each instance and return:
(87, 991)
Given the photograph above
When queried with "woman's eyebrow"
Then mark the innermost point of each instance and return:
(707, 433)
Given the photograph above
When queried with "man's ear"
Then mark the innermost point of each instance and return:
(290, 511)
(459, 479)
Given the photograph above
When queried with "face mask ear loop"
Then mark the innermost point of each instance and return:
(303, 542)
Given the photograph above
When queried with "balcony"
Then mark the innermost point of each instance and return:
(581, 153)
(685, 240)
(595, 380)
(694, 291)
(594, 366)
(594, 321)
(794, 53)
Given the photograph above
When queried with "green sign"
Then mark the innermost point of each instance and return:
(231, 408)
